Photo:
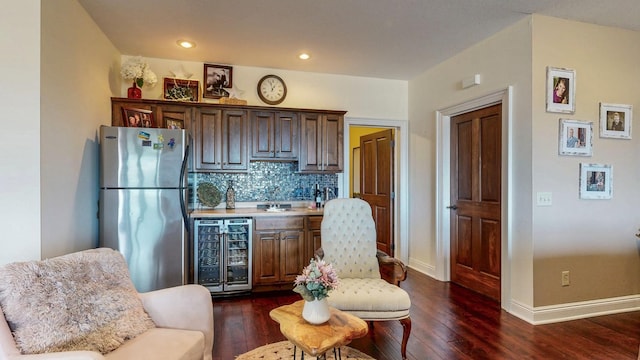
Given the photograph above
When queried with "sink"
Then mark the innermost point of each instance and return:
(276, 209)
(268, 207)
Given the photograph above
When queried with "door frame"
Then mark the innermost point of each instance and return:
(443, 181)
(401, 175)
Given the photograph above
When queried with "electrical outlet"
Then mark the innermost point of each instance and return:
(544, 199)
(565, 278)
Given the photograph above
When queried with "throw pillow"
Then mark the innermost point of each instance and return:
(80, 301)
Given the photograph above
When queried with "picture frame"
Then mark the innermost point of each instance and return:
(596, 181)
(575, 138)
(564, 99)
(181, 90)
(174, 124)
(216, 79)
(132, 117)
(615, 121)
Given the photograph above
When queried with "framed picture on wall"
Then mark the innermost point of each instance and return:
(137, 118)
(596, 181)
(615, 121)
(216, 79)
(575, 138)
(561, 90)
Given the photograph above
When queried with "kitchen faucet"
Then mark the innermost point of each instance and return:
(274, 198)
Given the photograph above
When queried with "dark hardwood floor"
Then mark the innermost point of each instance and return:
(449, 322)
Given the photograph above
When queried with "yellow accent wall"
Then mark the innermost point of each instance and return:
(355, 132)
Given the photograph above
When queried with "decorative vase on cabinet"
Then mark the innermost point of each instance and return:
(316, 312)
(134, 92)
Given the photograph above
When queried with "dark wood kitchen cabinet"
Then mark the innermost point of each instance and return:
(321, 142)
(163, 113)
(314, 239)
(220, 139)
(278, 252)
(174, 115)
(274, 135)
(226, 137)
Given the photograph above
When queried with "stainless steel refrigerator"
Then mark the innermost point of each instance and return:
(142, 209)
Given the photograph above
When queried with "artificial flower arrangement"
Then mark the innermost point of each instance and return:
(138, 70)
(316, 280)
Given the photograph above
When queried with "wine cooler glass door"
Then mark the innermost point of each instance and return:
(209, 247)
(238, 255)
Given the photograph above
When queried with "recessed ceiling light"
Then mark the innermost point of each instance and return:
(304, 56)
(186, 44)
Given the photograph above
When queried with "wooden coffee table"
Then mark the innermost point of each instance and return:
(316, 340)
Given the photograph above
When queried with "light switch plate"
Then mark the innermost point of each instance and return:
(544, 199)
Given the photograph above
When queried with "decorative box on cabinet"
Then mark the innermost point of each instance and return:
(321, 142)
(278, 251)
(220, 139)
(274, 135)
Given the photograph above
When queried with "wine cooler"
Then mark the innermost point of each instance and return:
(222, 254)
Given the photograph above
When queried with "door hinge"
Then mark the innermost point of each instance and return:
(392, 143)
(393, 194)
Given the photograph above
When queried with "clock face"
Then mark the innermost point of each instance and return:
(272, 89)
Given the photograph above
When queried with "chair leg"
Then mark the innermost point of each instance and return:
(406, 331)
(370, 323)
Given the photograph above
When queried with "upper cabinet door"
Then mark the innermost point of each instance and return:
(234, 140)
(208, 139)
(274, 135)
(221, 139)
(332, 141)
(321, 143)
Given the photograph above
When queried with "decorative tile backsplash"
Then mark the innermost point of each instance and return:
(267, 181)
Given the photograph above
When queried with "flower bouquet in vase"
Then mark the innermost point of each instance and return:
(138, 70)
(314, 284)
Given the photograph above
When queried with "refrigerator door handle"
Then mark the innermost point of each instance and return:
(183, 206)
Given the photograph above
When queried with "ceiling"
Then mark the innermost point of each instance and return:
(389, 39)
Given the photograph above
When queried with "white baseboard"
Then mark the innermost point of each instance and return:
(422, 267)
(577, 310)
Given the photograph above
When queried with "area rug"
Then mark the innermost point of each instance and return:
(284, 350)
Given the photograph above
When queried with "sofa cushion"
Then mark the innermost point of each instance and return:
(80, 301)
(158, 344)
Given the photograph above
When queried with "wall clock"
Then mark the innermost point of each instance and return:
(272, 90)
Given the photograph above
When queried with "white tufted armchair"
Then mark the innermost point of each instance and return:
(349, 243)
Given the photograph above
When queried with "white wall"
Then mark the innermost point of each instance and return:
(77, 69)
(361, 97)
(502, 60)
(593, 239)
(79, 75)
(20, 136)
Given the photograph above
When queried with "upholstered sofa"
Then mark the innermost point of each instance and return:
(88, 302)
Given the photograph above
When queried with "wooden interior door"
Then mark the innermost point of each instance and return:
(475, 200)
(376, 184)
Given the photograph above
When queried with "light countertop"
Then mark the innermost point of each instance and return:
(251, 210)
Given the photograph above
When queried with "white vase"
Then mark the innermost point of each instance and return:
(316, 312)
